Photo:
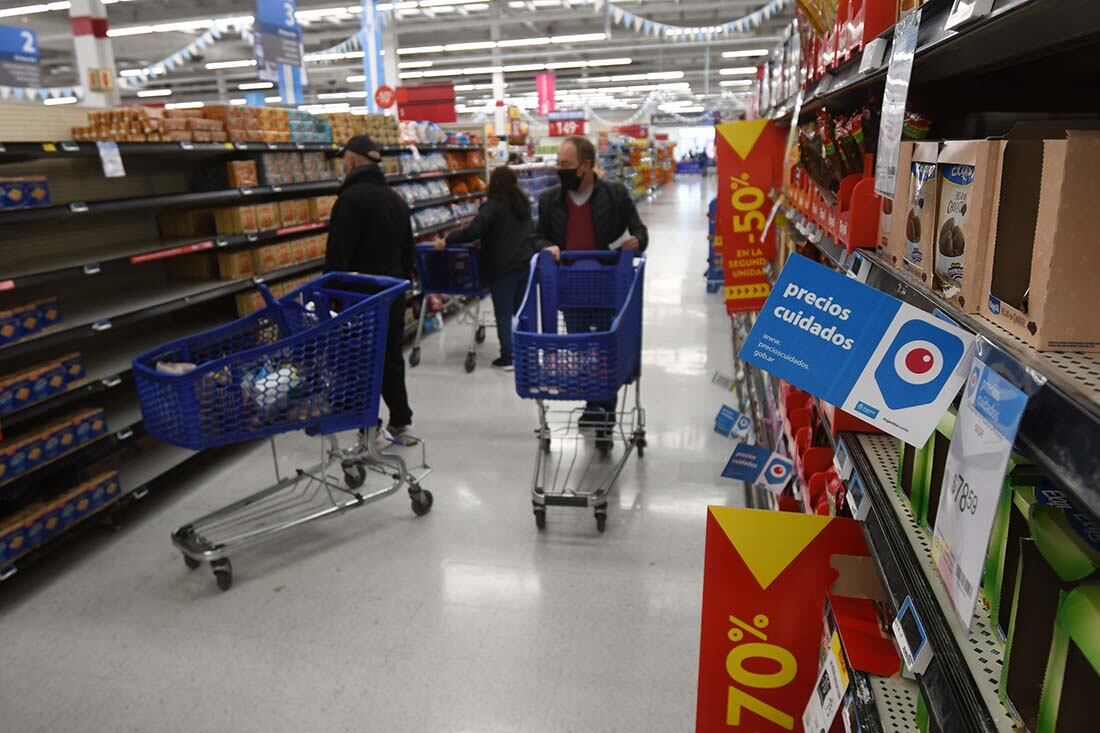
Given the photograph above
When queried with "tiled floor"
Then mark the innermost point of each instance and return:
(466, 620)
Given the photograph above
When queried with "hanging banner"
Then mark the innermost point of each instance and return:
(546, 86)
(374, 71)
(750, 154)
(19, 57)
(765, 575)
(893, 103)
(759, 467)
(279, 36)
(868, 353)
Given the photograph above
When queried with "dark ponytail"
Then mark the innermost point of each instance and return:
(504, 187)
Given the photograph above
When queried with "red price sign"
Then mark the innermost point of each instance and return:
(750, 154)
(565, 128)
(385, 96)
(764, 575)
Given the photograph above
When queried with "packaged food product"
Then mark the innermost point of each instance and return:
(267, 216)
(242, 173)
(236, 220)
(235, 265)
(920, 219)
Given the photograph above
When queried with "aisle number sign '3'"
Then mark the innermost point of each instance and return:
(891, 364)
(749, 160)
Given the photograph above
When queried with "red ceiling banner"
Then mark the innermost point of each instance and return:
(546, 86)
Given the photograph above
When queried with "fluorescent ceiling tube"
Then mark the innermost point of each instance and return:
(746, 53)
(155, 93)
(239, 64)
(255, 85)
(738, 70)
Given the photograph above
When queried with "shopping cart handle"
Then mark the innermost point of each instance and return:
(268, 296)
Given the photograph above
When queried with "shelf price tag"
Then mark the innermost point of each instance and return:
(832, 681)
(92, 268)
(858, 503)
(842, 460)
(989, 414)
(911, 637)
(102, 325)
(78, 207)
(69, 146)
(185, 145)
(893, 103)
(967, 11)
(111, 160)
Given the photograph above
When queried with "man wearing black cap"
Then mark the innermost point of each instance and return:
(370, 233)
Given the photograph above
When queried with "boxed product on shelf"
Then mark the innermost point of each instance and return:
(22, 192)
(272, 257)
(968, 172)
(236, 220)
(28, 320)
(1039, 280)
(103, 489)
(242, 173)
(40, 382)
(22, 454)
(13, 537)
(249, 302)
(235, 265)
(267, 216)
(320, 207)
(290, 214)
(894, 213)
(920, 208)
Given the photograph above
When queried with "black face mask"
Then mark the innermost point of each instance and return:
(570, 179)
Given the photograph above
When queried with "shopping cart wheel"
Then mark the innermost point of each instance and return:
(190, 562)
(639, 441)
(223, 573)
(601, 522)
(540, 518)
(479, 335)
(545, 445)
(604, 443)
(414, 356)
(355, 477)
(422, 502)
(471, 362)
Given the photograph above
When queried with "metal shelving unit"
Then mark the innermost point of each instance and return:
(106, 326)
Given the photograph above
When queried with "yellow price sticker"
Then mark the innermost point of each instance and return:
(748, 292)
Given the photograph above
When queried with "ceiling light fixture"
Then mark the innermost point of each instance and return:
(579, 38)
(59, 100)
(610, 62)
(419, 49)
(414, 65)
(155, 93)
(738, 70)
(131, 72)
(356, 79)
(470, 46)
(184, 105)
(519, 42)
(238, 102)
(746, 53)
(248, 86)
(273, 100)
(239, 64)
(32, 9)
(736, 83)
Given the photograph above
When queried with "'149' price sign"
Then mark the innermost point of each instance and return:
(565, 128)
(749, 158)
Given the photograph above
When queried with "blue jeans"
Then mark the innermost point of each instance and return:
(507, 291)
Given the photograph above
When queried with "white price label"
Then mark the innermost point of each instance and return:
(893, 103)
(981, 445)
(912, 638)
(828, 694)
(111, 159)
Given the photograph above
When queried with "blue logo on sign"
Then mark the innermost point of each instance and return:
(994, 305)
(917, 365)
(743, 423)
(864, 409)
(777, 472)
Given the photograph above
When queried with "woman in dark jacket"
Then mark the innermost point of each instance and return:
(504, 226)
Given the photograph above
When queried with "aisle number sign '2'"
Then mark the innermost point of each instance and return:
(750, 154)
(765, 575)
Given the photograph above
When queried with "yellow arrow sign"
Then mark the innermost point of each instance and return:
(748, 292)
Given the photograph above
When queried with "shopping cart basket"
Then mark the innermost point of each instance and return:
(452, 271)
(578, 337)
(310, 361)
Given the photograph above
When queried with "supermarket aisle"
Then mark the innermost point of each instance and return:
(466, 620)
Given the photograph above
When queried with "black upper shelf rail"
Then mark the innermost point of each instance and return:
(17, 151)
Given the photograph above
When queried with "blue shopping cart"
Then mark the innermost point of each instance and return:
(310, 361)
(452, 271)
(578, 337)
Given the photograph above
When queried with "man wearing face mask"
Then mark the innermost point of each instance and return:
(370, 233)
(587, 213)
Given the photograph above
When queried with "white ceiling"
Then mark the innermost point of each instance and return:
(652, 61)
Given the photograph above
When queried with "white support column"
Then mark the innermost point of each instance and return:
(93, 50)
(500, 117)
(390, 57)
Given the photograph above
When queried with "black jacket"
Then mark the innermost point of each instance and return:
(613, 212)
(506, 244)
(370, 231)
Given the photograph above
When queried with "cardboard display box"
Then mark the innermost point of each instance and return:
(893, 212)
(1040, 279)
(235, 265)
(967, 176)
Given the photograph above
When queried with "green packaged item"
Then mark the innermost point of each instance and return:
(1072, 680)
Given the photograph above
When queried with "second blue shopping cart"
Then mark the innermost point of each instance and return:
(578, 338)
(453, 271)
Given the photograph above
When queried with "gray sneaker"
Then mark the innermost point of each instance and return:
(401, 435)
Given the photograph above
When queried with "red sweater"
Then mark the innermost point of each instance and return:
(580, 233)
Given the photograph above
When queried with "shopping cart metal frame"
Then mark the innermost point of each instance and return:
(451, 284)
(571, 470)
(304, 496)
(321, 349)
